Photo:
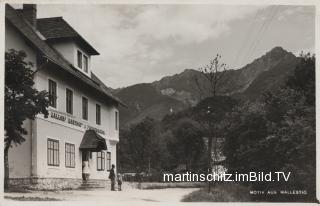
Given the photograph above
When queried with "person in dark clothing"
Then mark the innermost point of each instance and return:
(112, 177)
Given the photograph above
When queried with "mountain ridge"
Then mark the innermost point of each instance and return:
(179, 91)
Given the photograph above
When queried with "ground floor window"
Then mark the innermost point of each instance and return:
(100, 161)
(53, 152)
(70, 155)
(108, 161)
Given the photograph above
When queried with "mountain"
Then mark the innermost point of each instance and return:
(271, 79)
(183, 88)
(178, 92)
(145, 100)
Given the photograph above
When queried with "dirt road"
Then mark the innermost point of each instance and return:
(170, 195)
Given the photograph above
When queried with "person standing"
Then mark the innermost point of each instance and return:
(85, 170)
(112, 177)
(119, 181)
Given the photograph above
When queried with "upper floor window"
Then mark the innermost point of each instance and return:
(69, 101)
(82, 61)
(85, 64)
(98, 114)
(84, 108)
(79, 59)
(52, 93)
(116, 120)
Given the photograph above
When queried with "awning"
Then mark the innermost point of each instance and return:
(93, 142)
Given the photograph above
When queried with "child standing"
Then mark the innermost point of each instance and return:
(119, 181)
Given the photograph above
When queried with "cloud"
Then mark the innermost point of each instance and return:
(188, 23)
(142, 43)
(140, 38)
(288, 12)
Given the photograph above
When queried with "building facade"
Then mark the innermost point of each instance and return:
(83, 121)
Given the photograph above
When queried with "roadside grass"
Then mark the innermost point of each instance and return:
(224, 192)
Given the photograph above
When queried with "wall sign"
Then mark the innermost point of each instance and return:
(72, 121)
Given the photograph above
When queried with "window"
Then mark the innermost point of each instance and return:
(85, 63)
(108, 161)
(69, 101)
(53, 152)
(84, 108)
(98, 114)
(100, 161)
(116, 120)
(52, 93)
(70, 155)
(79, 59)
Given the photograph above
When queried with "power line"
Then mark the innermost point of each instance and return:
(266, 22)
(246, 40)
(265, 29)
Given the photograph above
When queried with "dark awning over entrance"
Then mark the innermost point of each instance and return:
(93, 142)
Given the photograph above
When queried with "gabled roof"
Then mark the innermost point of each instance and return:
(30, 34)
(57, 28)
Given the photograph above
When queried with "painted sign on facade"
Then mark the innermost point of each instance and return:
(72, 121)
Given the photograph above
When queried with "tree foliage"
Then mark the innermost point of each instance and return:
(187, 145)
(141, 146)
(277, 133)
(22, 101)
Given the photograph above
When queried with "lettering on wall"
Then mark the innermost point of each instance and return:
(72, 121)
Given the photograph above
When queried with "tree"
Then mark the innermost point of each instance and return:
(187, 146)
(213, 73)
(22, 101)
(139, 146)
(277, 133)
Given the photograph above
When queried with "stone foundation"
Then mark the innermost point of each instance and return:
(51, 183)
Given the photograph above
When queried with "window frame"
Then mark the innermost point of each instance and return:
(116, 116)
(67, 103)
(72, 154)
(53, 99)
(101, 158)
(98, 114)
(108, 161)
(54, 151)
(85, 112)
(79, 59)
(85, 65)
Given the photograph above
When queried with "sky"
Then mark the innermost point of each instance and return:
(144, 43)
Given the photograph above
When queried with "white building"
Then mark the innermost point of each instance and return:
(83, 120)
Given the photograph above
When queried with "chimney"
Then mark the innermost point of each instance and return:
(29, 12)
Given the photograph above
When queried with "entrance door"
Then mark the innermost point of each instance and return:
(85, 163)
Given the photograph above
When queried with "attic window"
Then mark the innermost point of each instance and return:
(79, 58)
(85, 63)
